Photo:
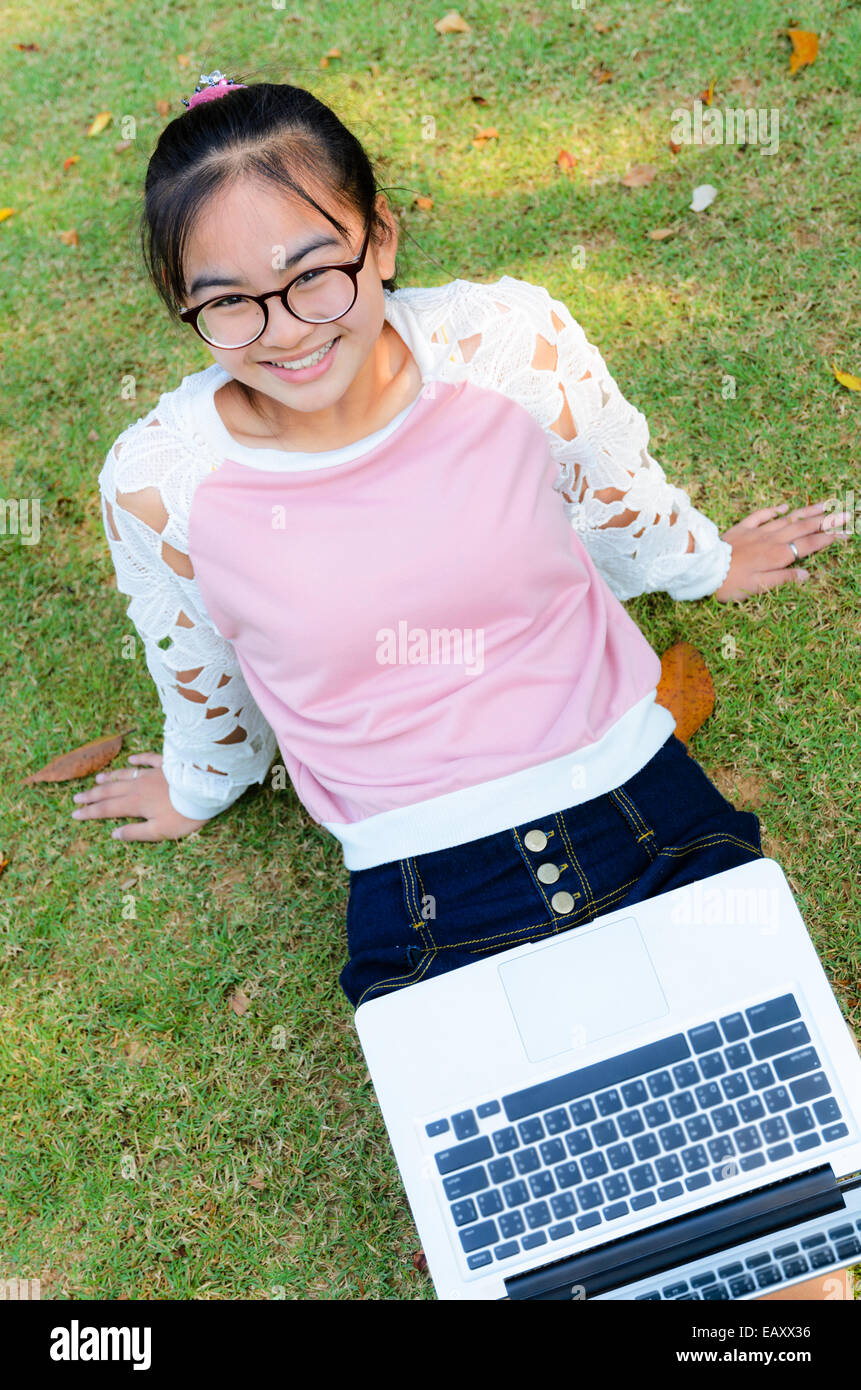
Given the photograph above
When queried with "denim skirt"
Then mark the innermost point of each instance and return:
(414, 918)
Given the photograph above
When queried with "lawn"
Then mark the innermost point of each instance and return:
(158, 1144)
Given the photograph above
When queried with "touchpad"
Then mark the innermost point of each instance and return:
(581, 988)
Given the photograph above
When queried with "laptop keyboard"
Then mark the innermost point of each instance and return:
(639, 1130)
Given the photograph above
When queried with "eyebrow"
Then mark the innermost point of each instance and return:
(218, 277)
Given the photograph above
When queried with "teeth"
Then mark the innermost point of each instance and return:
(305, 361)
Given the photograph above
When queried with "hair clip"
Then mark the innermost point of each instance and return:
(210, 86)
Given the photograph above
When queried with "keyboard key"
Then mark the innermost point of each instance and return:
(809, 1141)
(773, 1130)
(783, 1252)
(646, 1146)
(733, 1086)
(578, 1142)
(501, 1169)
(464, 1212)
(800, 1120)
(723, 1117)
(641, 1177)
(768, 1275)
(593, 1165)
(463, 1184)
(778, 1152)
(708, 1095)
(726, 1271)
(515, 1193)
(672, 1137)
(542, 1184)
(615, 1186)
(718, 1291)
(793, 1268)
(630, 1122)
(751, 1161)
(704, 1037)
(827, 1111)
(476, 1237)
(834, 1132)
(489, 1107)
(489, 1203)
(463, 1155)
(809, 1087)
(556, 1121)
(673, 1290)
(750, 1108)
(738, 1056)
(583, 1112)
(686, 1074)
(642, 1199)
(563, 1228)
(623, 1067)
(536, 1238)
(660, 1084)
(436, 1127)
(605, 1132)
(537, 1214)
(809, 1242)
(504, 1252)
(734, 1027)
(531, 1130)
(552, 1151)
(504, 1140)
(777, 1099)
(608, 1102)
(620, 1155)
(640, 1296)
(840, 1232)
(634, 1093)
(694, 1158)
(668, 1167)
(563, 1204)
(796, 1063)
(696, 1181)
(760, 1076)
(527, 1160)
(847, 1249)
(721, 1148)
(698, 1127)
(590, 1196)
(618, 1209)
(747, 1139)
(682, 1104)
(821, 1257)
(744, 1284)
(699, 1280)
(712, 1064)
(480, 1258)
(754, 1261)
(567, 1174)
(781, 1040)
(729, 1168)
(585, 1223)
(774, 1011)
(671, 1189)
(464, 1124)
(656, 1114)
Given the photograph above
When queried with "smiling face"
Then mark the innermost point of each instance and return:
(236, 240)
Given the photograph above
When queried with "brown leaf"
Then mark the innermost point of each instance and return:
(163, 108)
(122, 145)
(452, 23)
(419, 1261)
(481, 137)
(70, 237)
(72, 159)
(661, 233)
(707, 95)
(103, 119)
(639, 175)
(565, 160)
(257, 1182)
(80, 762)
(479, 101)
(601, 74)
(239, 1002)
(424, 203)
(686, 688)
(27, 47)
(673, 146)
(135, 1051)
(3, 863)
(805, 47)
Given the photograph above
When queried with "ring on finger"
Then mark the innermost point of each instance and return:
(793, 548)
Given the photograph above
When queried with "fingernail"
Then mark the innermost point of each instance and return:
(115, 834)
(100, 777)
(803, 574)
(76, 815)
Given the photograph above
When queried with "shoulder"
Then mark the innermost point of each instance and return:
(165, 439)
(477, 307)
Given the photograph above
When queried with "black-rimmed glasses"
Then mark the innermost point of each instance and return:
(316, 296)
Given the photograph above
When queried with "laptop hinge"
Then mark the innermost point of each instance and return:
(685, 1238)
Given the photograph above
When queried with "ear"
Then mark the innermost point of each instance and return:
(385, 249)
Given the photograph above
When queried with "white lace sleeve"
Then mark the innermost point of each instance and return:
(642, 533)
(210, 755)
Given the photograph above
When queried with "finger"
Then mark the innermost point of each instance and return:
(102, 802)
(770, 579)
(764, 514)
(808, 545)
(140, 830)
(120, 774)
(151, 759)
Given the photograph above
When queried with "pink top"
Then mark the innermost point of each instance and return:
(421, 618)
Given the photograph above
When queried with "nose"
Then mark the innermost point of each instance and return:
(283, 330)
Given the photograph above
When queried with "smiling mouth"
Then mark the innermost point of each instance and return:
(308, 360)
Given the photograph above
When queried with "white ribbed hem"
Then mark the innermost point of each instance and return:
(473, 812)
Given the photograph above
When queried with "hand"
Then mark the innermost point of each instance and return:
(761, 557)
(124, 791)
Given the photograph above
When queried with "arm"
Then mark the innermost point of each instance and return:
(216, 741)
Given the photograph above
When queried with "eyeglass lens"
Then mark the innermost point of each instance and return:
(318, 297)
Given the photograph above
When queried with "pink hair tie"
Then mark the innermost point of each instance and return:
(217, 85)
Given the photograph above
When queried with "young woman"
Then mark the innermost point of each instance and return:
(389, 532)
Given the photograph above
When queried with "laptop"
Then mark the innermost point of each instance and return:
(663, 1103)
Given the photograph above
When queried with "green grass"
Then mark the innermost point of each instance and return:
(261, 1167)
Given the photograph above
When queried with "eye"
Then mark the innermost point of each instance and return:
(227, 301)
(308, 276)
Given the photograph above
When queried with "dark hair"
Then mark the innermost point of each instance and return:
(270, 131)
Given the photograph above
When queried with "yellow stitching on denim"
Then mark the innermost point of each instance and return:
(404, 980)
(426, 928)
(605, 899)
(620, 791)
(414, 917)
(617, 893)
(620, 795)
(714, 839)
(584, 882)
(530, 869)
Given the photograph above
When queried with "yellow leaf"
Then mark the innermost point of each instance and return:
(7, 212)
(72, 159)
(104, 118)
(452, 23)
(805, 47)
(845, 379)
(183, 59)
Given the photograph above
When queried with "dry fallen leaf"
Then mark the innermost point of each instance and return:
(80, 762)
(661, 233)
(332, 53)
(103, 119)
(183, 59)
(639, 175)
(673, 146)
(706, 96)
(846, 379)
(601, 74)
(163, 108)
(239, 1002)
(7, 212)
(72, 159)
(424, 203)
(686, 688)
(419, 1261)
(704, 194)
(122, 145)
(565, 160)
(27, 47)
(479, 101)
(70, 238)
(805, 47)
(481, 137)
(257, 1182)
(452, 23)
